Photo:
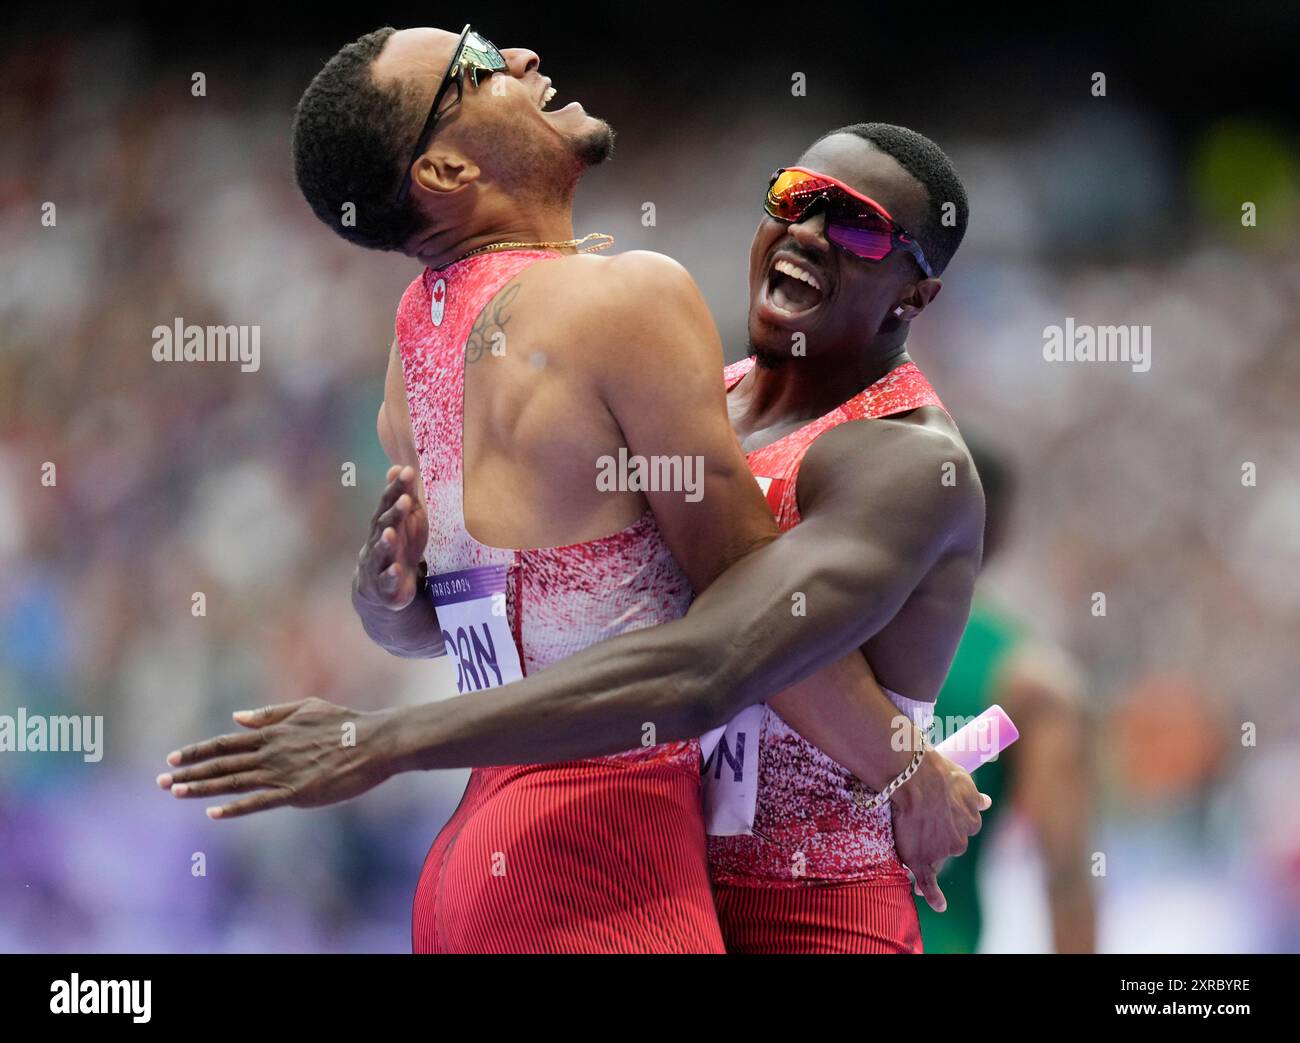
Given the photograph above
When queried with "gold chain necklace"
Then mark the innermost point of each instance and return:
(562, 245)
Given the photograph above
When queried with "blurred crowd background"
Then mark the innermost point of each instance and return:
(1122, 209)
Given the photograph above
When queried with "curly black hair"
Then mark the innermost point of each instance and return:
(930, 165)
(351, 138)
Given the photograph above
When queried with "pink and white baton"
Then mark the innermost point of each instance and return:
(979, 740)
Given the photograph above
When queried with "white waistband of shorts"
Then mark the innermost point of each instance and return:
(918, 712)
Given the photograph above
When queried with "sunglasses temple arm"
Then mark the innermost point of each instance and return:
(914, 248)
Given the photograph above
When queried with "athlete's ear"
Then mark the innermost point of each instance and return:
(443, 171)
(916, 298)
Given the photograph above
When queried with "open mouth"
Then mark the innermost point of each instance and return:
(793, 289)
(545, 98)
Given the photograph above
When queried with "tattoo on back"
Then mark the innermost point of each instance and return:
(488, 334)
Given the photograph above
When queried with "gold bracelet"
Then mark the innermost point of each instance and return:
(860, 795)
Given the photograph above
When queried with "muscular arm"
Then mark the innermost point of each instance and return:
(865, 541)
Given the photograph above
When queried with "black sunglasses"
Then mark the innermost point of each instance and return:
(475, 55)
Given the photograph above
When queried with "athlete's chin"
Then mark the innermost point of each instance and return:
(589, 138)
(777, 333)
(593, 142)
(766, 358)
(772, 348)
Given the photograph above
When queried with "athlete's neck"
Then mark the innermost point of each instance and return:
(442, 247)
(812, 385)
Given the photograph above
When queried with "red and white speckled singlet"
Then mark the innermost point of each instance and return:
(598, 855)
(808, 833)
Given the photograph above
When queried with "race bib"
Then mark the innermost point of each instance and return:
(471, 607)
(730, 773)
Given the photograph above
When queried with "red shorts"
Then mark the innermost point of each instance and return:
(869, 917)
(594, 856)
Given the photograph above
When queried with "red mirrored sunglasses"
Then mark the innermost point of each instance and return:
(855, 223)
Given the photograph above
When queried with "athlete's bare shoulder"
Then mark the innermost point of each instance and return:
(613, 286)
(627, 306)
(917, 464)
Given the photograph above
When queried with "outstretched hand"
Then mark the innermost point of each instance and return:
(304, 755)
